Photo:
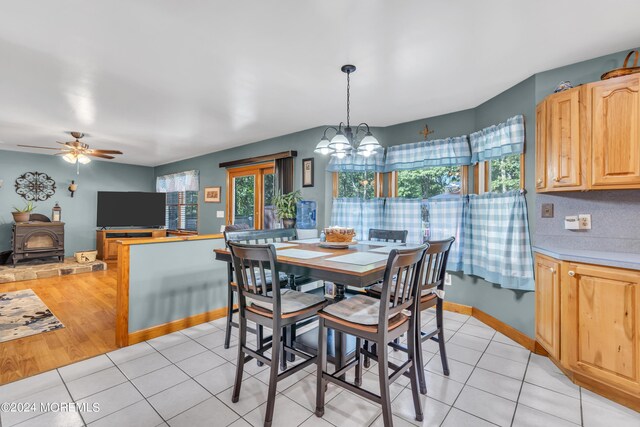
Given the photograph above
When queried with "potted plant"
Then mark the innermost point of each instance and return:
(22, 215)
(286, 207)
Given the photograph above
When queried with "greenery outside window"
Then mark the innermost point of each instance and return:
(501, 175)
(356, 184)
(182, 210)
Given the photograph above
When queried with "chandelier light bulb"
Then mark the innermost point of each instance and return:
(70, 157)
(82, 159)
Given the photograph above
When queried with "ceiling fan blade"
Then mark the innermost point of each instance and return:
(43, 148)
(65, 143)
(106, 151)
(103, 156)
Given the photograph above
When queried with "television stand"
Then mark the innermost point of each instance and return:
(106, 240)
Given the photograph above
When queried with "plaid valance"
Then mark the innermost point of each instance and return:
(357, 163)
(498, 141)
(181, 181)
(425, 154)
(496, 240)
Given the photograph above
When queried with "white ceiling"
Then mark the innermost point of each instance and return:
(164, 80)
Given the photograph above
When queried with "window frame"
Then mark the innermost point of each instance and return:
(182, 196)
(378, 184)
(464, 181)
(481, 176)
(259, 171)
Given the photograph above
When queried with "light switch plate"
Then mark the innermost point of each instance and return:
(571, 222)
(219, 214)
(547, 210)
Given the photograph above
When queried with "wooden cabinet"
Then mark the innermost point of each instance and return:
(600, 331)
(541, 146)
(547, 273)
(614, 107)
(107, 240)
(588, 138)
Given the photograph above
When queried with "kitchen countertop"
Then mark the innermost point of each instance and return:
(610, 259)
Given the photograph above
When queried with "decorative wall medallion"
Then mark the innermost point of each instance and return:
(35, 186)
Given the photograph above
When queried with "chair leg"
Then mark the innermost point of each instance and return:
(322, 367)
(259, 339)
(412, 353)
(273, 376)
(227, 333)
(285, 337)
(396, 341)
(443, 351)
(242, 338)
(358, 380)
(383, 358)
(420, 362)
(367, 361)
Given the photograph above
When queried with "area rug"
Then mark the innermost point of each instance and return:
(22, 314)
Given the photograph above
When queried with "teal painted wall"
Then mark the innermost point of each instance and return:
(79, 212)
(173, 280)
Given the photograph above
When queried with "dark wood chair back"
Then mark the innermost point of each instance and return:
(398, 236)
(435, 264)
(401, 282)
(251, 263)
(258, 237)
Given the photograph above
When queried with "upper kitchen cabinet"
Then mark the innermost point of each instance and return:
(588, 138)
(614, 108)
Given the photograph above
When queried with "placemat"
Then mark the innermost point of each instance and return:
(282, 245)
(359, 258)
(301, 253)
(387, 249)
(314, 240)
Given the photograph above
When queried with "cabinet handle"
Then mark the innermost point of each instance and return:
(572, 273)
(556, 179)
(552, 270)
(539, 182)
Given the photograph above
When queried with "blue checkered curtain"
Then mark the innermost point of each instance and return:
(425, 154)
(404, 214)
(176, 182)
(498, 141)
(496, 240)
(357, 213)
(446, 219)
(357, 163)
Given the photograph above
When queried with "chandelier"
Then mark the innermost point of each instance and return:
(345, 140)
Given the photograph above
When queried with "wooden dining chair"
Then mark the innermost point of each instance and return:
(276, 309)
(397, 236)
(434, 269)
(365, 318)
(239, 233)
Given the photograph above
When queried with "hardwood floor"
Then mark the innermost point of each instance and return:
(84, 303)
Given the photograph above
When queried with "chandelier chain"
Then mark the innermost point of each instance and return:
(348, 97)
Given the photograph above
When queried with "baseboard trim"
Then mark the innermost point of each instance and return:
(509, 331)
(176, 325)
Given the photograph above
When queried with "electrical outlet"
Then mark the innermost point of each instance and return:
(585, 221)
(222, 227)
(547, 210)
(447, 279)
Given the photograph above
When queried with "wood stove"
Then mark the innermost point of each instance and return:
(35, 239)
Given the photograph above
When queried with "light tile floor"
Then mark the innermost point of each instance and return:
(185, 379)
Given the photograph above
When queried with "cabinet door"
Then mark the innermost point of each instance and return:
(548, 305)
(565, 141)
(615, 137)
(541, 146)
(600, 327)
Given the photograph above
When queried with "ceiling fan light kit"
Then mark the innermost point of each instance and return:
(344, 142)
(76, 152)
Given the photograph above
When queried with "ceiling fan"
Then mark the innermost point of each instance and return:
(77, 152)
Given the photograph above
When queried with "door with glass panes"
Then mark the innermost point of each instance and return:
(251, 190)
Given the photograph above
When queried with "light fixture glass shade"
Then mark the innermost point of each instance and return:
(339, 154)
(323, 147)
(339, 142)
(70, 157)
(369, 143)
(82, 159)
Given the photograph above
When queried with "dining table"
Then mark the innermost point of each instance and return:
(358, 265)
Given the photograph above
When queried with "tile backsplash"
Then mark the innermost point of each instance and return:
(615, 220)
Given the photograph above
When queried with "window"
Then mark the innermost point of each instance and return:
(501, 175)
(365, 185)
(439, 181)
(250, 192)
(182, 210)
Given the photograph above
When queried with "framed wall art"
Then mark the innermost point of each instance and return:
(212, 194)
(307, 172)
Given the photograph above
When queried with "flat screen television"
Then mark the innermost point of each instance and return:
(131, 209)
